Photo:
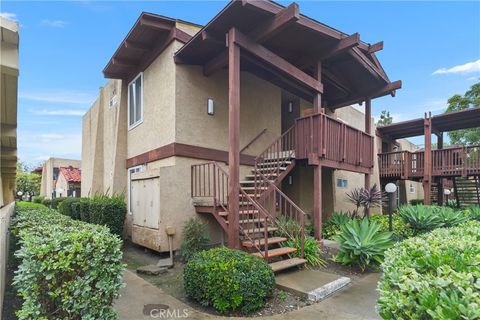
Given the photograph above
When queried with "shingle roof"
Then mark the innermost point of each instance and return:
(71, 174)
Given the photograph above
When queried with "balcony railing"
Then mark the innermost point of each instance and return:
(333, 140)
(457, 161)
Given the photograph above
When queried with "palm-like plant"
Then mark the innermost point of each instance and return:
(355, 196)
(420, 218)
(371, 198)
(362, 243)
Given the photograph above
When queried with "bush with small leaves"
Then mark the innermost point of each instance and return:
(433, 276)
(68, 269)
(228, 279)
(194, 238)
(400, 229)
(65, 207)
(38, 199)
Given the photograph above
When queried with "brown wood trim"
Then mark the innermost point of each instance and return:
(185, 150)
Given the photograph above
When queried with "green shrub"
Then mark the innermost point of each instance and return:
(76, 210)
(362, 243)
(84, 210)
(108, 211)
(474, 212)
(400, 229)
(415, 202)
(452, 203)
(47, 202)
(311, 249)
(28, 205)
(56, 202)
(331, 228)
(38, 199)
(65, 207)
(194, 238)
(228, 279)
(420, 218)
(450, 217)
(68, 270)
(433, 276)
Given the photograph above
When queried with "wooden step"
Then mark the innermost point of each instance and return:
(252, 182)
(250, 221)
(286, 264)
(276, 252)
(261, 229)
(253, 188)
(261, 242)
(225, 213)
(269, 163)
(253, 176)
(269, 169)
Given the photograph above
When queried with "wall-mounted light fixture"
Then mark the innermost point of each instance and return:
(290, 106)
(290, 180)
(210, 107)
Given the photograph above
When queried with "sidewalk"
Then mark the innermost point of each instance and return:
(356, 301)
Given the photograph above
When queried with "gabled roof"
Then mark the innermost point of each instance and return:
(149, 36)
(350, 70)
(445, 122)
(71, 174)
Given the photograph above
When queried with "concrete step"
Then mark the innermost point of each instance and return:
(261, 242)
(276, 252)
(287, 264)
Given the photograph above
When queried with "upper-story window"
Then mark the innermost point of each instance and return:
(135, 101)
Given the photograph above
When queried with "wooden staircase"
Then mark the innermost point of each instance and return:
(467, 190)
(261, 203)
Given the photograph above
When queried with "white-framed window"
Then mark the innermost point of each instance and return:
(131, 171)
(342, 183)
(113, 99)
(135, 101)
(412, 188)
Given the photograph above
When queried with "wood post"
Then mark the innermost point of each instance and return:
(368, 129)
(317, 98)
(233, 140)
(440, 180)
(317, 201)
(427, 164)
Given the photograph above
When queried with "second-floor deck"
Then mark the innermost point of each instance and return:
(450, 162)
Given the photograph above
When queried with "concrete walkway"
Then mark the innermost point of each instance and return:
(356, 301)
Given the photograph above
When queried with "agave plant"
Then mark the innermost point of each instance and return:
(450, 217)
(420, 218)
(362, 243)
(474, 212)
(339, 218)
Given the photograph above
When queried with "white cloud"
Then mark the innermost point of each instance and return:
(8, 15)
(59, 96)
(469, 67)
(35, 146)
(58, 112)
(54, 23)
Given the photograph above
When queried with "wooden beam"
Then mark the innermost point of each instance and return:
(208, 37)
(130, 44)
(278, 62)
(375, 47)
(156, 25)
(343, 45)
(234, 140)
(387, 89)
(427, 164)
(317, 201)
(181, 35)
(335, 81)
(367, 64)
(217, 63)
(280, 21)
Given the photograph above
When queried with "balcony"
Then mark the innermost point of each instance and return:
(336, 144)
(451, 162)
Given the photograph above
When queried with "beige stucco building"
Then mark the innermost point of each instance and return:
(54, 183)
(158, 117)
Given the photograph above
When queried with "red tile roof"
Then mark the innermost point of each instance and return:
(71, 174)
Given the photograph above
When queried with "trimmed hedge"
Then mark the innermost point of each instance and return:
(102, 210)
(228, 279)
(69, 269)
(433, 276)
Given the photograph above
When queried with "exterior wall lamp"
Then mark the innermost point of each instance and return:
(290, 107)
(390, 188)
(210, 107)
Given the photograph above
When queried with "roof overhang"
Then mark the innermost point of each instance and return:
(450, 121)
(350, 70)
(149, 36)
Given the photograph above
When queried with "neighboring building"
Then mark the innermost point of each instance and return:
(61, 178)
(9, 40)
(8, 103)
(171, 106)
